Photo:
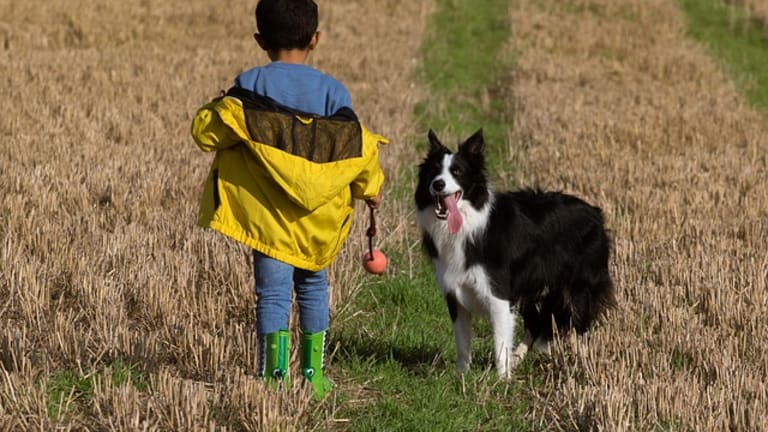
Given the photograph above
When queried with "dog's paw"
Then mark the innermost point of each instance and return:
(519, 355)
(461, 369)
(463, 361)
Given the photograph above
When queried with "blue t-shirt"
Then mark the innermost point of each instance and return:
(297, 86)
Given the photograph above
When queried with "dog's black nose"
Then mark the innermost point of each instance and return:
(438, 185)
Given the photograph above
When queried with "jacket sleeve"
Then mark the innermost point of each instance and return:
(368, 183)
(210, 131)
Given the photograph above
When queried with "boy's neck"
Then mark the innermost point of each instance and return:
(296, 56)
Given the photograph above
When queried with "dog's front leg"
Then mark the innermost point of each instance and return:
(462, 333)
(503, 324)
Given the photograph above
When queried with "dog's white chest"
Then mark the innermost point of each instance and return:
(470, 286)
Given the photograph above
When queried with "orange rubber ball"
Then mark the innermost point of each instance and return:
(376, 264)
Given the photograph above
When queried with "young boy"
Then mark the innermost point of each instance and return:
(290, 157)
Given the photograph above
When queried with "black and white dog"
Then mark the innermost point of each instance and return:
(543, 255)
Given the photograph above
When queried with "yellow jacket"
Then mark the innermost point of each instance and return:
(283, 182)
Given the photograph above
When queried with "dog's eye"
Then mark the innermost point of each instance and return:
(456, 170)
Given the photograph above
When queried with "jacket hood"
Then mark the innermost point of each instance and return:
(312, 158)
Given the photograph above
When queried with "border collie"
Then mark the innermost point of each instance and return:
(542, 255)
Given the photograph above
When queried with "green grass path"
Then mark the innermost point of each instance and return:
(399, 352)
(737, 41)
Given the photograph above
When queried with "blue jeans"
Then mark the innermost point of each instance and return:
(274, 281)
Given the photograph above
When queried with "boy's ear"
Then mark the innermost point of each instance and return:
(474, 144)
(314, 41)
(434, 143)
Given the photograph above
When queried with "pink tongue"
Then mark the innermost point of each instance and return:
(454, 216)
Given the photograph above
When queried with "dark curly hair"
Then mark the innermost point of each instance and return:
(286, 24)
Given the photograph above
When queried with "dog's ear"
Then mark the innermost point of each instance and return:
(474, 145)
(434, 143)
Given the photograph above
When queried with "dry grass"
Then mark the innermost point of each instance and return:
(757, 9)
(613, 103)
(100, 259)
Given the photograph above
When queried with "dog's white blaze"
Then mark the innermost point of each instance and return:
(451, 185)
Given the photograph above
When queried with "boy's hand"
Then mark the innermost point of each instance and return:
(374, 203)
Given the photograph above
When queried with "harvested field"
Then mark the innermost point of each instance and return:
(118, 313)
(613, 103)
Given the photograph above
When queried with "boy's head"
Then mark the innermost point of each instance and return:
(286, 24)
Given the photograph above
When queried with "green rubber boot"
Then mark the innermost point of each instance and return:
(274, 357)
(312, 352)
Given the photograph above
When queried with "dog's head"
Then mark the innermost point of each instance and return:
(449, 181)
